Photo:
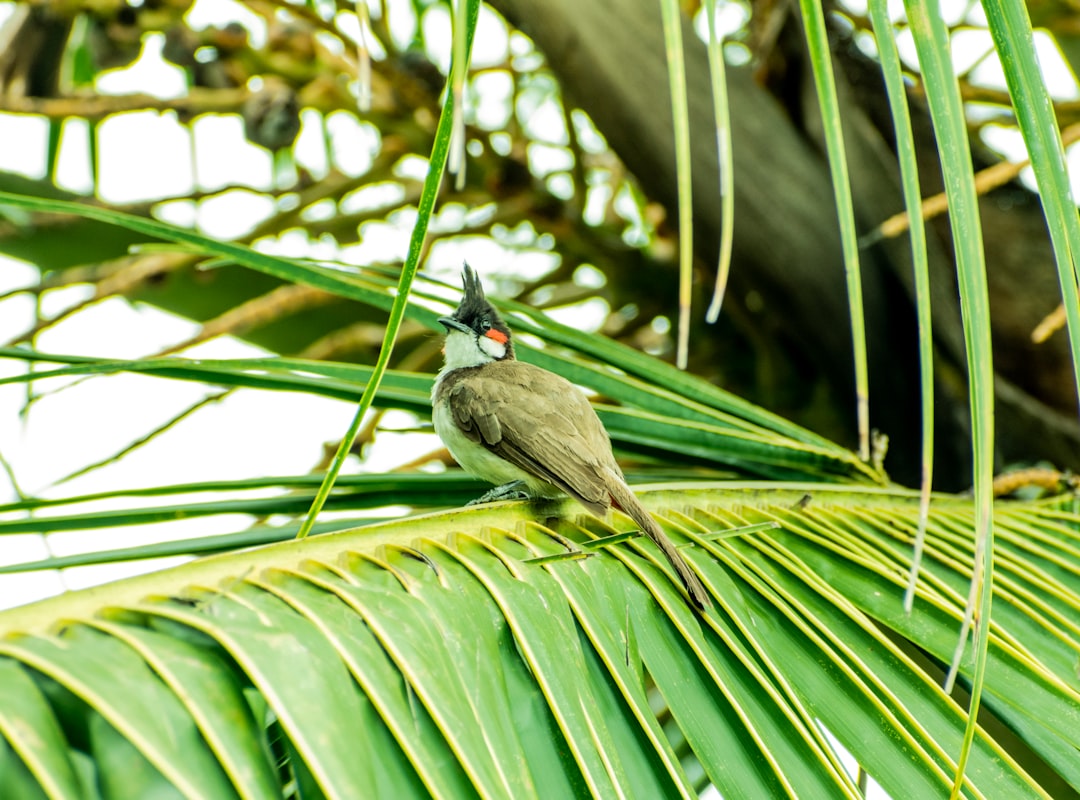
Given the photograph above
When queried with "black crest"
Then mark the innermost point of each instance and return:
(473, 305)
(476, 312)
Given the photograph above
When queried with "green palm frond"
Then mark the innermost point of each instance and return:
(438, 655)
(658, 417)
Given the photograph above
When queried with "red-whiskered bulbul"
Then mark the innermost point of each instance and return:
(529, 431)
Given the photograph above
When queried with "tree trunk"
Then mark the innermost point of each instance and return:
(609, 57)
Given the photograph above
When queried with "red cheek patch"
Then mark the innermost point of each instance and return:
(497, 336)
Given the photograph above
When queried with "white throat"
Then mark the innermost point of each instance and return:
(465, 350)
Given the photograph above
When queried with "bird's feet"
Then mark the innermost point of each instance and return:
(508, 491)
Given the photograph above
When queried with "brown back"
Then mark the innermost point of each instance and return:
(539, 422)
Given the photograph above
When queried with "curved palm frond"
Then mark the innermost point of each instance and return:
(482, 653)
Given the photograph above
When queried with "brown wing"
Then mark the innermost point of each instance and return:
(540, 423)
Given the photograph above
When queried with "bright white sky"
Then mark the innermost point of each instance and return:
(250, 433)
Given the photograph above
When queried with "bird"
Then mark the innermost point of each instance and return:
(530, 431)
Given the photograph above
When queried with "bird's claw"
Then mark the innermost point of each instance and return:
(508, 491)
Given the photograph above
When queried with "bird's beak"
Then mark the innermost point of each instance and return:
(452, 324)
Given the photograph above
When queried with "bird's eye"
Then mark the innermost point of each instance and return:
(485, 323)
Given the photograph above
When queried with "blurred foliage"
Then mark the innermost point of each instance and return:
(536, 174)
(545, 203)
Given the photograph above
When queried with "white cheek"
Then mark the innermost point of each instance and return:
(492, 348)
(461, 351)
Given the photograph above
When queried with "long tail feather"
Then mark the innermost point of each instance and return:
(624, 499)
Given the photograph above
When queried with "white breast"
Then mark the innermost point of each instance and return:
(480, 462)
